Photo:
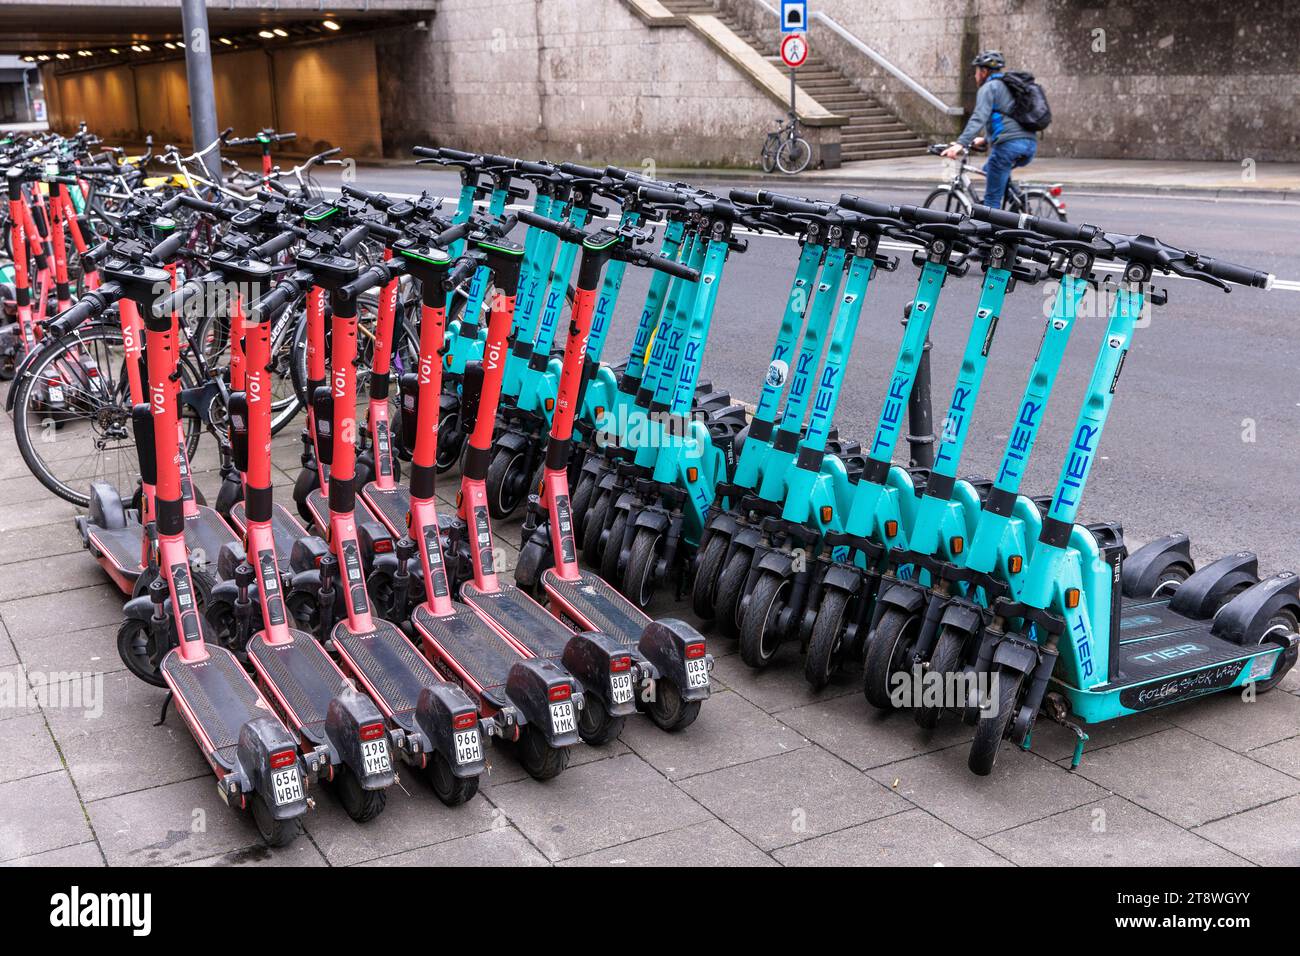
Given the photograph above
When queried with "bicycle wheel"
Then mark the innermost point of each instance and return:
(72, 414)
(768, 156)
(1039, 203)
(794, 156)
(211, 339)
(949, 200)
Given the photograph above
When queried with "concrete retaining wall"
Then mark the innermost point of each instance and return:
(585, 79)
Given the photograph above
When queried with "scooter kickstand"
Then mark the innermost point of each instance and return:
(162, 715)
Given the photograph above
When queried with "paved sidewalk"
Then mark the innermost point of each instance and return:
(1276, 182)
(770, 773)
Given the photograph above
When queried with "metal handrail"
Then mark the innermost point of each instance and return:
(867, 51)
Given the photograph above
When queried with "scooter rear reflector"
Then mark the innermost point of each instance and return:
(383, 546)
(1015, 563)
(560, 692)
(694, 650)
(284, 758)
(891, 529)
(956, 544)
(464, 721)
(692, 474)
(372, 731)
(1072, 598)
(827, 513)
(619, 664)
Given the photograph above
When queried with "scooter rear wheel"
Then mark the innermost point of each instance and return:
(539, 759)
(358, 803)
(705, 589)
(595, 726)
(889, 648)
(447, 787)
(760, 635)
(579, 503)
(668, 710)
(507, 483)
(825, 654)
(992, 728)
(1286, 620)
(274, 833)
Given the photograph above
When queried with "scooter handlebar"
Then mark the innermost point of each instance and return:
(462, 271)
(867, 207)
(93, 303)
(175, 301)
(274, 246)
(1081, 232)
(379, 274)
(583, 172)
(378, 200)
(566, 231)
(168, 247)
(454, 234)
(1231, 272)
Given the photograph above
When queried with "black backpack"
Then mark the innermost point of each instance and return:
(1031, 109)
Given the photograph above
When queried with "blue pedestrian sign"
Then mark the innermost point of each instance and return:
(794, 16)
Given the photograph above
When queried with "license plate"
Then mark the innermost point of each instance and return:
(468, 748)
(697, 673)
(621, 686)
(374, 756)
(287, 786)
(562, 721)
(56, 394)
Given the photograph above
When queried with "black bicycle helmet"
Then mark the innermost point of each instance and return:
(990, 60)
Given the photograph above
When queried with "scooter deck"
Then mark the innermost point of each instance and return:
(285, 529)
(392, 505)
(521, 617)
(477, 650)
(1190, 652)
(319, 505)
(391, 666)
(220, 695)
(120, 546)
(303, 675)
(207, 531)
(598, 605)
(1149, 620)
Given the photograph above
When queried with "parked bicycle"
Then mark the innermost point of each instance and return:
(1042, 201)
(785, 149)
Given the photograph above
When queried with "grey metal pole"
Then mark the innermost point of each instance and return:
(198, 71)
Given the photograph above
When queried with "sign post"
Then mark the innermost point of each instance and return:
(794, 54)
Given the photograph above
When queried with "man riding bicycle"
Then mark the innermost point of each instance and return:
(1011, 145)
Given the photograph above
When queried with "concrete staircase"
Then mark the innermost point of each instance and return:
(872, 131)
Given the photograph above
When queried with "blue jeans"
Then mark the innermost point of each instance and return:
(1004, 157)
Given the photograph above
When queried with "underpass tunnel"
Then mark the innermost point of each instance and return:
(300, 67)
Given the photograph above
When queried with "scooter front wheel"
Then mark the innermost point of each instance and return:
(274, 833)
(358, 803)
(825, 654)
(136, 647)
(889, 651)
(641, 581)
(447, 787)
(451, 434)
(731, 585)
(993, 726)
(760, 633)
(507, 483)
(592, 526)
(612, 550)
(945, 660)
(705, 589)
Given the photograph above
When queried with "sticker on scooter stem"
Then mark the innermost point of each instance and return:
(567, 549)
(383, 460)
(483, 536)
(356, 580)
(437, 572)
(777, 373)
(270, 579)
(183, 588)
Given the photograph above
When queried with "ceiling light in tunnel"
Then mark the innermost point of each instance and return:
(114, 50)
(64, 56)
(144, 48)
(330, 25)
(84, 53)
(225, 40)
(43, 57)
(29, 58)
(278, 32)
(266, 34)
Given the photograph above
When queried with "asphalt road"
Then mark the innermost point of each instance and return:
(1202, 434)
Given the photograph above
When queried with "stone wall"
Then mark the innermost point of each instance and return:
(581, 79)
